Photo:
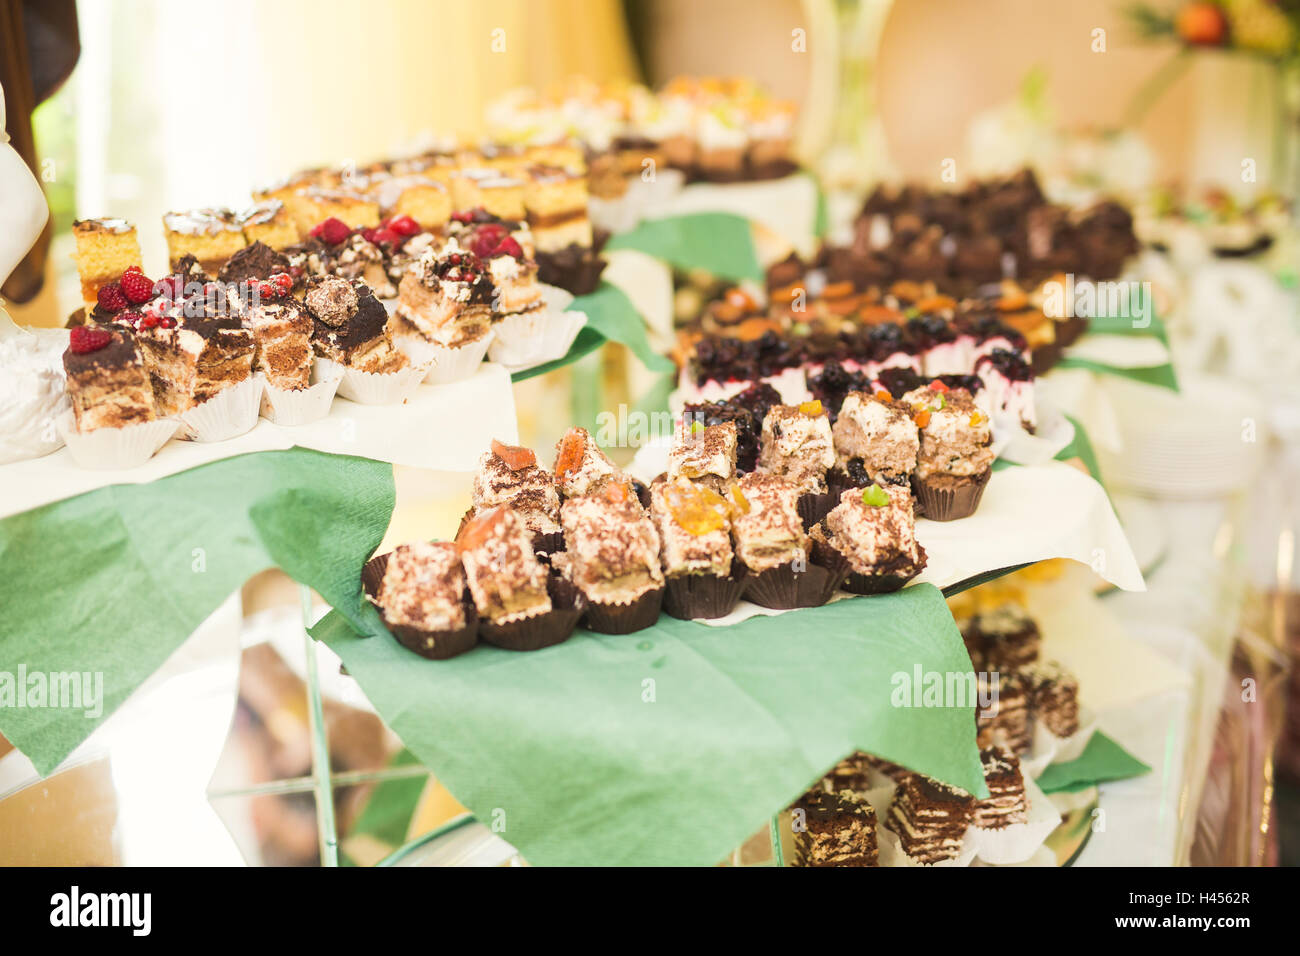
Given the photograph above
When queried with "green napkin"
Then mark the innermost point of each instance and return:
(1123, 325)
(717, 242)
(113, 581)
(612, 317)
(1102, 760)
(672, 745)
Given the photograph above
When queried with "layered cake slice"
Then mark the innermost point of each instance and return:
(507, 581)
(956, 455)
(694, 527)
(766, 526)
(797, 445)
(1005, 638)
(314, 204)
(269, 222)
(1053, 697)
(210, 235)
(555, 201)
(838, 829)
(612, 545)
(204, 349)
(489, 189)
(427, 202)
(703, 453)
(875, 440)
(580, 466)
(107, 382)
(854, 773)
(445, 298)
(282, 331)
(1006, 717)
(511, 476)
(350, 326)
(1006, 803)
(105, 249)
(930, 818)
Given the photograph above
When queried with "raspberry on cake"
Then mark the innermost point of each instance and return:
(511, 476)
(350, 326)
(210, 235)
(875, 439)
(507, 581)
(504, 249)
(282, 331)
(269, 222)
(796, 444)
(445, 298)
(612, 546)
(580, 466)
(108, 385)
(106, 248)
(703, 453)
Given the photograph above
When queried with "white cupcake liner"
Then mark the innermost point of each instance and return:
(556, 299)
(300, 406)
(112, 448)
(1018, 842)
(532, 338)
(445, 365)
(1048, 749)
(371, 388)
(231, 412)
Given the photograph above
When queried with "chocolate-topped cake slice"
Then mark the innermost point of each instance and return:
(1006, 803)
(253, 263)
(195, 345)
(108, 385)
(445, 298)
(282, 330)
(350, 326)
(930, 818)
(839, 829)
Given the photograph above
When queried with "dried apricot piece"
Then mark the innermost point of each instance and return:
(692, 510)
(617, 491)
(976, 420)
(480, 527)
(811, 408)
(884, 396)
(515, 457)
(573, 448)
(922, 418)
(738, 497)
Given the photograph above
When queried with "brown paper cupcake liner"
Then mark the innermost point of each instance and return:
(707, 596)
(838, 482)
(624, 618)
(812, 507)
(541, 630)
(948, 497)
(783, 588)
(856, 583)
(435, 645)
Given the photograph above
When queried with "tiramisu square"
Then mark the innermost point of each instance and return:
(796, 444)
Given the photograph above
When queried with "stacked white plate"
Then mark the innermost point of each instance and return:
(1206, 441)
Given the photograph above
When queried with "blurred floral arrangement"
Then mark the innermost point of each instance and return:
(1269, 28)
